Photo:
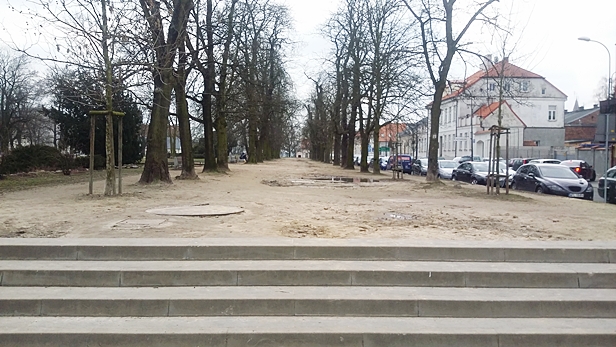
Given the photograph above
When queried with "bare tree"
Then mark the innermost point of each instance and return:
(373, 70)
(393, 81)
(16, 93)
(435, 19)
(188, 162)
(164, 48)
(85, 34)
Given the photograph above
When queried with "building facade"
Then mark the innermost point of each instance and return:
(531, 107)
(581, 126)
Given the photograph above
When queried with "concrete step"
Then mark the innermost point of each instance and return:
(306, 272)
(308, 301)
(306, 332)
(284, 248)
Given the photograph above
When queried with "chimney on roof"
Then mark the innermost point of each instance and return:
(581, 108)
(486, 62)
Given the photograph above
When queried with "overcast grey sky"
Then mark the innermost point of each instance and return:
(547, 45)
(547, 33)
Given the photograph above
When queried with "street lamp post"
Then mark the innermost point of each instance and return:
(607, 116)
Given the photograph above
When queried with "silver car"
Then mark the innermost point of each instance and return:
(445, 168)
(544, 161)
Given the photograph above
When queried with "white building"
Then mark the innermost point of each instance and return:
(532, 108)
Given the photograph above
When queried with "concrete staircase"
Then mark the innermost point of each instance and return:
(306, 292)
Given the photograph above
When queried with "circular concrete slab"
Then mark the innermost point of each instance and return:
(196, 211)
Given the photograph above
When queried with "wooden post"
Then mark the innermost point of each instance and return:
(507, 162)
(488, 179)
(92, 133)
(120, 155)
(109, 113)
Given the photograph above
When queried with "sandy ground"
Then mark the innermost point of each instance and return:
(297, 198)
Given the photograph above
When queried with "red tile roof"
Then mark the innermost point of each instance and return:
(486, 110)
(387, 132)
(391, 130)
(509, 70)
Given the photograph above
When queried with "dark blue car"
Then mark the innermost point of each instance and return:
(552, 179)
(401, 160)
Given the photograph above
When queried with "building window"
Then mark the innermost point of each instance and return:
(543, 91)
(492, 87)
(524, 86)
(552, 113)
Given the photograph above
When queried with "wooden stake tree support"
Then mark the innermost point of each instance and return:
(493, 179)
(108, 113)
(397, 169)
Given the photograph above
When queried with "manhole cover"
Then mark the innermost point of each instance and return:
(196, 211)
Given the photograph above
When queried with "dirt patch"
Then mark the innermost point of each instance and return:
(297, 198)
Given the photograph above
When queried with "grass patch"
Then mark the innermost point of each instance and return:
(32, 180)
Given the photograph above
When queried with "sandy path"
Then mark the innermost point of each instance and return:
(282, 198)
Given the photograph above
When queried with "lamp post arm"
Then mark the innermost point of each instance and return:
(609, 69)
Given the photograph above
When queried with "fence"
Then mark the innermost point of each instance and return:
(596, 158)
(593, 156)
(542, 152)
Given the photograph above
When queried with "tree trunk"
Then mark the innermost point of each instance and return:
(188, 161)
(156, 168)
(110, 188)
(208, 121)
(376, 168)
(221, 98)
(435, 114)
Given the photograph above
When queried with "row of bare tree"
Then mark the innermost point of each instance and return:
(19, 119)
(373, 77)
(383, 52)
(217, 64)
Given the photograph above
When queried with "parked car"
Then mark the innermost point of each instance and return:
(476, 172)
(420, 167)
(467, 158)
(582, 168)
(382, 163)
(544, 161)
(446, 167)
(610, 175)
(515, 163)
(403, 160)
(552, 179)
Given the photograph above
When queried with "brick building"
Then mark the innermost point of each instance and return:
(581, 125)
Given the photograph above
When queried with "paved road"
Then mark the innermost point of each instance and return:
(597, 197)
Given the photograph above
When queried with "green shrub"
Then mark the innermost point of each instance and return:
(31, 158)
